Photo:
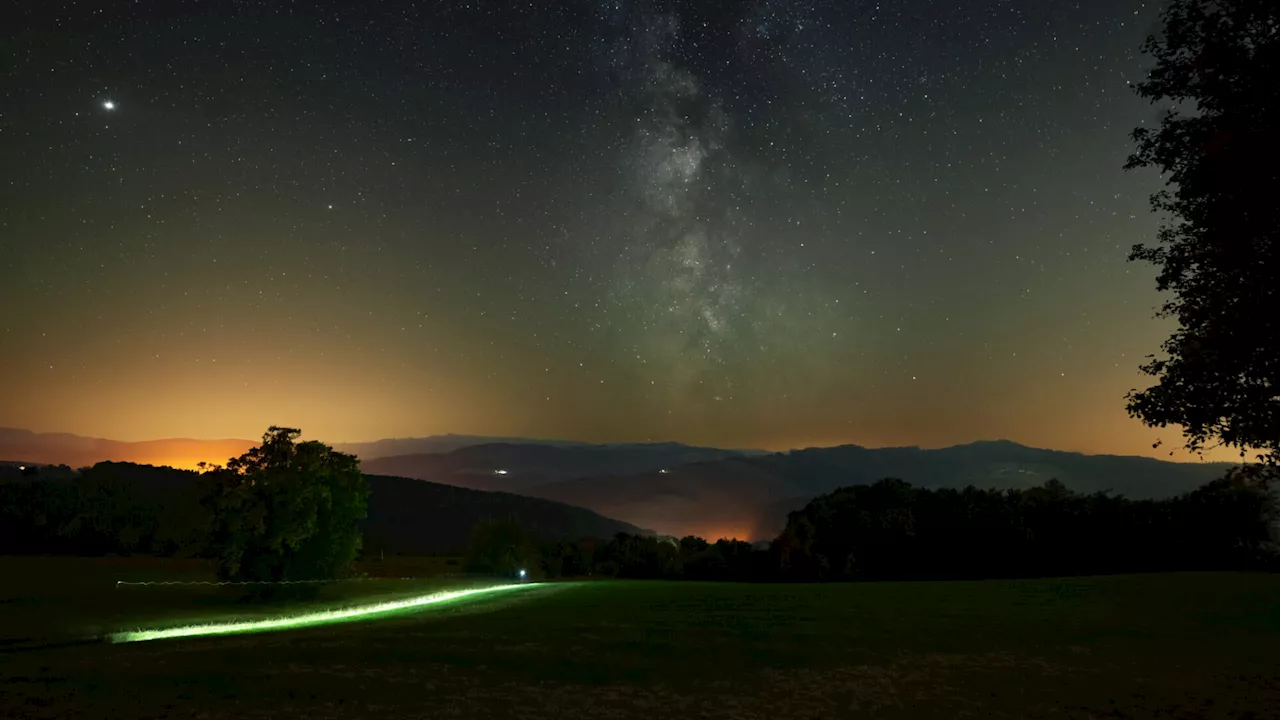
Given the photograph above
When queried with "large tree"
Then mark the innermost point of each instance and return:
(286, 511)
(1217, 67)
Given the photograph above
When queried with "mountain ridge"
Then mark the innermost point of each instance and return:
(59, 448)
(682, 489)
(405, 515)
(512, 467)
(750, 496)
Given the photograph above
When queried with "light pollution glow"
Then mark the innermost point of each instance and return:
(294, 622)
(725, 234)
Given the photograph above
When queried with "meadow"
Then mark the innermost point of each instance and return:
(1184, 645)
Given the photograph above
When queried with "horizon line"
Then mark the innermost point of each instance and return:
(496, 439)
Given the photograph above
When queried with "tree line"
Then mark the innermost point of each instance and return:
(502, 547)
(108, 509)
(291, 510)
(285, 510)
(891, 530)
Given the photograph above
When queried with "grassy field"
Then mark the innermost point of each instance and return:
(1177, 646)
(47, 600)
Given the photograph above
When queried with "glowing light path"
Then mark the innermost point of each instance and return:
(309, 619)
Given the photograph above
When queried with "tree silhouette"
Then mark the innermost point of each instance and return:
(1217, 62)
(286, 510)
(890, 530)
(501, 546)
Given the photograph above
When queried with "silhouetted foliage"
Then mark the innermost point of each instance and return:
(568, 559)
(33, 513)
(46, 513)
(110, 508)
(891, 530)
(887, 530)
(1218, 62)
(286, 510)
(501, 547)
(649, 557)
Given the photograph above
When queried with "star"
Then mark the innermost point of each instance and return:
(660, 242)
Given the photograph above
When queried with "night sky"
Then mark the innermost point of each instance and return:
(762, 224)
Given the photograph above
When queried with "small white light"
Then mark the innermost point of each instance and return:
(521, 573)
(109, 105)
(499, 472)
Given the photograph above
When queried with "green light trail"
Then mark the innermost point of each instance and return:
(308, 619)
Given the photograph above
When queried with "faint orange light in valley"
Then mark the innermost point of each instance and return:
(725, 534)
(183, 463)
(184, 454)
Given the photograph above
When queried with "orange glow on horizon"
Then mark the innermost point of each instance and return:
(182, 463)
(723, 534)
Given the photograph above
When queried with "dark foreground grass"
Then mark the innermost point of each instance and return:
(58, 600)
(1178, 646)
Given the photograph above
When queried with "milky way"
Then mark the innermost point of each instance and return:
(755, 223)
(689, 281)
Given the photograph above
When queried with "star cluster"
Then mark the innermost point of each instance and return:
(769, 223)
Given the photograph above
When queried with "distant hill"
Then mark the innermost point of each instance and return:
(513, 467)
(704, 491)
(435, 444)
(623, 452)
(750, 496)
(77, 451)
(406, 516)
(411, 517)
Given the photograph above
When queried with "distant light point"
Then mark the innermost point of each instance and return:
(107, 104)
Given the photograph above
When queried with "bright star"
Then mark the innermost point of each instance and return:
(109, 105)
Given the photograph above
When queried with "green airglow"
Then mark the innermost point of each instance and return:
(310, 619)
